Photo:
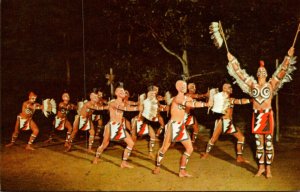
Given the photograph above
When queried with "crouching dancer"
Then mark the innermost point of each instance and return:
(115, 129)
(24, 121)
(175, 130)
(223, 109)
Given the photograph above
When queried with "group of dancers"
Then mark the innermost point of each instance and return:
(180, 107)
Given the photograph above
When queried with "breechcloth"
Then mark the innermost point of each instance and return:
(59, 123)
(263, 122)
(178, 131)
(24, 123)
(117, 130)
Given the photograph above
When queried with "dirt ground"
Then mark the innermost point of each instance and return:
(49, 168)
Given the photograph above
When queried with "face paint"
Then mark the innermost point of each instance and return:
(100, 94)
(32, 97)
(192, 87)
(262, 72)
(65, 97)
(94, 97)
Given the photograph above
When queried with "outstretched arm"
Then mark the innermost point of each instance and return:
(242, 101)
(244, 81)
(283, 72)
(189, 102)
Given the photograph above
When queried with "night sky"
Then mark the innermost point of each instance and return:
(40, 37)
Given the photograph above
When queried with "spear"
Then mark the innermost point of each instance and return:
(296, 35)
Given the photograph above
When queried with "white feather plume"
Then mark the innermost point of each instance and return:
(49, 106)
(287, 77)
(46, 107)
(53, 104)
(214, 29)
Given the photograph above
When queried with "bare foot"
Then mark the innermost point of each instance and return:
(241, 159)
(203, 155)
(151, 156)
(259, 173)
(68, 147)
(268, 172)
(95, 161)
(269, 175)
(156, 170)
(9, 145)
(183, 173)
(66, 144)
(29, 147)
(124, 164)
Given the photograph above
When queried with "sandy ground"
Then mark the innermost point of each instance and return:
(49, 168)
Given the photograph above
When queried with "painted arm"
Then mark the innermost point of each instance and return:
(242, 101)
(283, 71)
(244, 81)
(126, 107)
(193, 103)
(98, 107)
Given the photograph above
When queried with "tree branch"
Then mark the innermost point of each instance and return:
(171, 52)
(201, 74)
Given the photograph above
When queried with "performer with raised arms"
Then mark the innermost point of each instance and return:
(262, 93)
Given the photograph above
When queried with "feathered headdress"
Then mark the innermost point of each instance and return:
(216, 36)
(216, 30)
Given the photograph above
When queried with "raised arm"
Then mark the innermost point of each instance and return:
(283, 71)
(244, 81)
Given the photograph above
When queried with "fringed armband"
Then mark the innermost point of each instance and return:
(288, 72)
(241, 82)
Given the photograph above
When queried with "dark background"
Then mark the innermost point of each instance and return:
(39, 38)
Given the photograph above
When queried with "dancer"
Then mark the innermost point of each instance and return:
(223, 110)
(115, 129)
(143, 123)
(176, 130)
(83, 120)
(25, 122)
(262, 93)
(61, 120)
(97, 116)
(128, 115)
(190, 118)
